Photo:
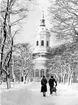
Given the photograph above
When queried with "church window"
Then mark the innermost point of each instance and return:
(42, 43)
(47, 43)
(42, 72)
(37, 73)
(37, 43)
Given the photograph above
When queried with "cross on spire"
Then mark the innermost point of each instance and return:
(42, 20)
(43, 13)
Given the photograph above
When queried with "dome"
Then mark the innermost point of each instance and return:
(43, 31)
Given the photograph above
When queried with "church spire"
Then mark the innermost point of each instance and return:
(42, 20)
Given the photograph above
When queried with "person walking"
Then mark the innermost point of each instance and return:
(44, 86)
(52, 84)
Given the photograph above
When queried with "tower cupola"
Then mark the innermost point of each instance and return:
(42, 41)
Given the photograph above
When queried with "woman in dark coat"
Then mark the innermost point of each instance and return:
(44, 86)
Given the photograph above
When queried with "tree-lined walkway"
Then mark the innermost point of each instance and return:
(31, 95)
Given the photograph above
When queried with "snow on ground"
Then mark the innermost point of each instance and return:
(17, 95)
(29, 94)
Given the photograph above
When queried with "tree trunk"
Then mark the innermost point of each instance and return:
(8, 82)
(63, 80)
(69, 75)
(69, 80)
(14, 80)
(19, 79)
(61, 75)
(24, 79)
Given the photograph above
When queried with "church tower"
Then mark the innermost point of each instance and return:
(40, 53)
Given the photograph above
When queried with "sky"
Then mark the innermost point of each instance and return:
(29, 29)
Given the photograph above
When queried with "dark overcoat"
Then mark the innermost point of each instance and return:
(44, 85)
(51, 82)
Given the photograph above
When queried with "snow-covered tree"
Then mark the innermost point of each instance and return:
(63, 61)
(23, 64)
(12, 15)
(64, 19)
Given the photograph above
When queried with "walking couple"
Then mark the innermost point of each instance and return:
(52, 85)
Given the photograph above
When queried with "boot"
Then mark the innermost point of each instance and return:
(44, 94)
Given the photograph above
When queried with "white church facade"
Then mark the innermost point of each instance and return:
(40, 52)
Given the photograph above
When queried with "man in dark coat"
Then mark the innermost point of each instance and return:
(44, 86)
(52, 83)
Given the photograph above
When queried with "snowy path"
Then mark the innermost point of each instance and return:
(65, 95)
(31, 95)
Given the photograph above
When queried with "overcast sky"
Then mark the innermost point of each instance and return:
(29, 30)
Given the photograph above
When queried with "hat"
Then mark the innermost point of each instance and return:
(51, 76)
(43, 76)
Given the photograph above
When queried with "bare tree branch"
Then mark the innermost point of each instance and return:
(20, 19)
(16, 32)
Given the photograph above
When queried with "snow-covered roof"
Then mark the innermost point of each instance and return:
(41, 58)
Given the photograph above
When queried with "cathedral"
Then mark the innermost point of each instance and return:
(40, 52)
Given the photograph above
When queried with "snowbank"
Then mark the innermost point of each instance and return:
(17, 96)
(14, 86)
